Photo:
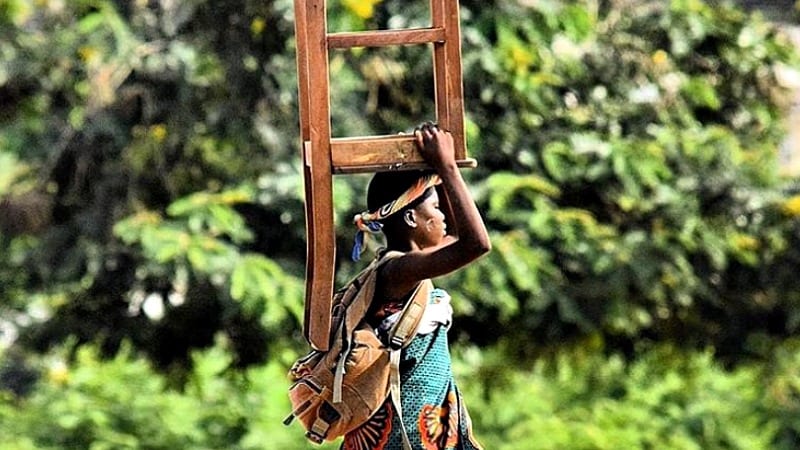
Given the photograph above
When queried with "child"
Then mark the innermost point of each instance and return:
(436, 236)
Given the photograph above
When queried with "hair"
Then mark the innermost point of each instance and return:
(388, 186)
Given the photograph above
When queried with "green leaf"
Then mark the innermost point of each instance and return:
(90, 22)
(256, 277)
(702, 93)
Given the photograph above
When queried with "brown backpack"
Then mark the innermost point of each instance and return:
(335, 391)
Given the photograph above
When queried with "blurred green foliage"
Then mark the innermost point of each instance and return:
(87, 402)
(666, 398)
(580, 398)
(629, 173)
(642, 292)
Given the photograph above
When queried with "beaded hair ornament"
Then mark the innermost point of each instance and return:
(368, 223)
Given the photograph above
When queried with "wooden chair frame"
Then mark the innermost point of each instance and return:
(324, 156)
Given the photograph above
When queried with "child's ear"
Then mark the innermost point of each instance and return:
(410, 218)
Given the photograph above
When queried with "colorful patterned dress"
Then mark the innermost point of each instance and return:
(434, 414)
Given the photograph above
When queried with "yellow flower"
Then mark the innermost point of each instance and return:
(87, 53)
(361, 8)
(660, 57)
(257, 26)
(159, 132)
(791, 207)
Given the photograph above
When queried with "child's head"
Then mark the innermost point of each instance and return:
(386, 207)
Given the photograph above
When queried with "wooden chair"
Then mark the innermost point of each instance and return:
(324, 156)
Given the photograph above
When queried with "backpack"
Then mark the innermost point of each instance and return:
(335, 391)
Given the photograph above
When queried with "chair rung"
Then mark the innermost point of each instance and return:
(381, 153)
(383, 38)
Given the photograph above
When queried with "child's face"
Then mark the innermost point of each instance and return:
(431, 227)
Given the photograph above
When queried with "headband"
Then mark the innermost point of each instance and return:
(369, 222)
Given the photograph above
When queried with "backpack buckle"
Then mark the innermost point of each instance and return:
(314, 437)
(396, 342)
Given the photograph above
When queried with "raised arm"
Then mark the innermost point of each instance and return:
(470, 239)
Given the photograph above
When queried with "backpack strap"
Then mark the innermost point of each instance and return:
(364, 284)
(355, 310)
(400, 335)
(405, 328)
(394, 391)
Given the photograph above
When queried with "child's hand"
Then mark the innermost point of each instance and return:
(435, 145)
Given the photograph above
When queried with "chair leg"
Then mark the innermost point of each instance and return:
(455, 90)
(319, 286)
(320, 255)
